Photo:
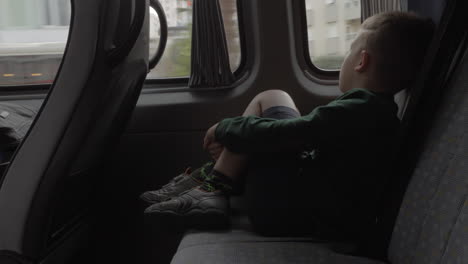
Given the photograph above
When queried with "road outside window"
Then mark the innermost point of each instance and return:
(33, 35)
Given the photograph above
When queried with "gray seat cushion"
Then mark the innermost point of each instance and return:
(256, 252)
(241, 245)
(239, 233)
(432, 225)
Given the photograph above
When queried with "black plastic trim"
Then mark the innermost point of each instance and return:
(29, 87)
(117, 54)
(13, 257)
(183, 87)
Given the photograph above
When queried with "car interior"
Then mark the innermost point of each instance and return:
(102, 100)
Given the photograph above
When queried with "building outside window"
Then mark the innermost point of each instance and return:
(332, 26)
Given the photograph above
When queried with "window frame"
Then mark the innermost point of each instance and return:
(182, 82)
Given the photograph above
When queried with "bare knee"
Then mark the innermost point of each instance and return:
(271, 94)
(271, 98)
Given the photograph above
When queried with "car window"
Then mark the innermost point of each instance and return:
(175, 61)
(33, 35)
(332, 25)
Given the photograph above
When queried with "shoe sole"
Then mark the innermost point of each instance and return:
(149, 202)
(196, 218)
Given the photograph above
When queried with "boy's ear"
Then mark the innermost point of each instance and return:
(363, 63)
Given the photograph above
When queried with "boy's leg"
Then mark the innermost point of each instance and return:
(210, 197)
(231, 164)
(269, 99)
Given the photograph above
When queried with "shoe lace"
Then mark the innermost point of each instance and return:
(212, 184)
(203, 170)
(179, 177)
(208, 187)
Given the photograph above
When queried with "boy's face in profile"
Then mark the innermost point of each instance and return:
(353, 63)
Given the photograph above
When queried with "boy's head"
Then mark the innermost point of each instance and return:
(388, 52)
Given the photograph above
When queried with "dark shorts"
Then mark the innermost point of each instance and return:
(278, 195)
(280, 112)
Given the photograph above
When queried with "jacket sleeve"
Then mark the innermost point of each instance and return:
(253, 134)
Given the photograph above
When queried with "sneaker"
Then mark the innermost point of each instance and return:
(179, 184)
(196, 208)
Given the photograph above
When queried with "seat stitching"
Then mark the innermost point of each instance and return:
(428, 210)
(453, 227)
(457, 219)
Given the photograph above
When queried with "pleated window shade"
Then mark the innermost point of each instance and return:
(210, 58)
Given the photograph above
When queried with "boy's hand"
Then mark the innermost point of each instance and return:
(210, 144)
(215, 149)
(209, 136)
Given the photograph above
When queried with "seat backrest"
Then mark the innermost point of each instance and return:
(433, 218)
(47, 190)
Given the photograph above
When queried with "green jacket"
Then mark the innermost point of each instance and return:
(358, 115)
(351, 140)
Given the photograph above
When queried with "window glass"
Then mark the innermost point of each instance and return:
(33, 35)
(175, 61)
(332, 25)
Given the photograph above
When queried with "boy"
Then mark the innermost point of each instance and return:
(348, 144)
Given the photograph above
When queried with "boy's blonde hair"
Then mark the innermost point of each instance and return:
(397, 42)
